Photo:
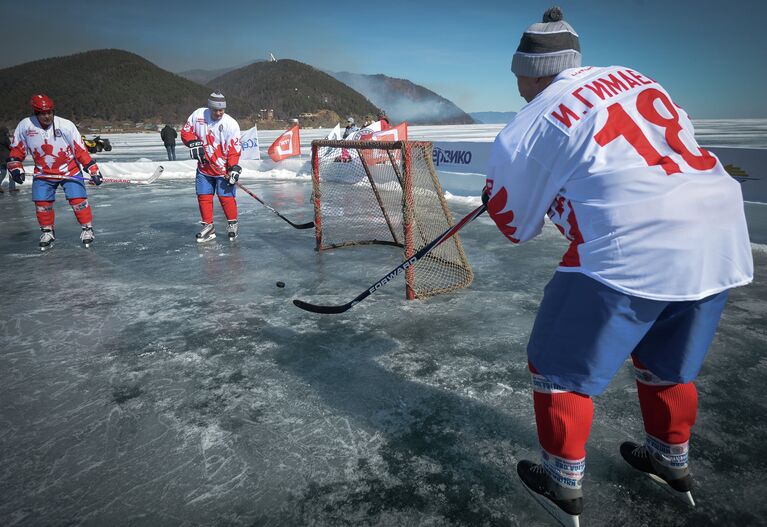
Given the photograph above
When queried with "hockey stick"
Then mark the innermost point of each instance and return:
(314, 308)
(155, 175)
(296, 225)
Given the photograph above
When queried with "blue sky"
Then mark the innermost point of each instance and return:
(709, 55)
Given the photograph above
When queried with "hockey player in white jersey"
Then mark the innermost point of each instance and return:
(213, 138)
(657, 237)
(60, 159)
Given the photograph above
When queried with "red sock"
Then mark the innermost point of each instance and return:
(229, 204)
(82, 210)
(205, 201)
(563, 420)
(45, 214)
(668, 409)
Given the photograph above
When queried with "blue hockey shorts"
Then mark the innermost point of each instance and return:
(586, 330)
(45, 189)
(214, 185)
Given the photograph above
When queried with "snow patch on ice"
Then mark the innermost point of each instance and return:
(473, 201)
(141, 170)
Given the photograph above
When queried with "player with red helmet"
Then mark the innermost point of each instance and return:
(60, 157)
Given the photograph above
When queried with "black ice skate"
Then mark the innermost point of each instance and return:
(232, 229)
(46, 238)
(207, 233)
(564, 504)
(87, 236)
(677, 481)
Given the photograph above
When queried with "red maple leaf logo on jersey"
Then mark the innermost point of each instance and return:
(557, 214)
(502, 219)
(215, 152)
(49, 163)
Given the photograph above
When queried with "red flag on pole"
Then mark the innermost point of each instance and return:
(286, 145)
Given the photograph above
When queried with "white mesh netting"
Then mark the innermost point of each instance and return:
(387, 192)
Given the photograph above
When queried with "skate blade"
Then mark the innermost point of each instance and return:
(209, 238)
(683, 496)
(86, 245)
(46, 247)
(566, 520)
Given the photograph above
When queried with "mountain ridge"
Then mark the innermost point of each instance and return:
(108, 85)
(405, 100)
(291, 89)
(113, 87)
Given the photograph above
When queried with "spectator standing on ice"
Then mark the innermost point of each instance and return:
(5, 150)
(350, 127)
(385, 124)
(213, 138)
(168, 135)
(60, 159)
(657, 238)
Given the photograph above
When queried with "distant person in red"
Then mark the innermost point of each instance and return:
(385, 124)
(213, 139)
(59, 153)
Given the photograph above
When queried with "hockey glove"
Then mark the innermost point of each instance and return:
(16, 170)
(96, 177)
(95, 173)
(197, 150)
(233, 175)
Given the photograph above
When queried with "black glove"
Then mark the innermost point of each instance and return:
(197, 150)
(96, 177)
(233, 175)
(95, 174)
(485, 196)
(16, 170)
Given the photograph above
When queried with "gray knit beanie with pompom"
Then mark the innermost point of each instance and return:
(547, 48)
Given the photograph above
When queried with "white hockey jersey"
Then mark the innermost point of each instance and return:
(55, 151)
(615, 165)
(221, 139)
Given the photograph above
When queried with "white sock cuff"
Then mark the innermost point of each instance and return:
(672, 456)
(566, 472)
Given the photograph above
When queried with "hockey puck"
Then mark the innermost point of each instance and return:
(280, 284)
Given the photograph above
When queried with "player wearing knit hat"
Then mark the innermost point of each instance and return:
(547, 47)
(657, 236)
(216, 101)
(213, 138)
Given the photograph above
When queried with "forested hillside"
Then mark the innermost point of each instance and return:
(104, 85)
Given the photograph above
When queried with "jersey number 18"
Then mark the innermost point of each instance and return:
(619, 123)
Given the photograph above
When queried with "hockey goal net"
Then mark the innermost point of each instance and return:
(376, 192)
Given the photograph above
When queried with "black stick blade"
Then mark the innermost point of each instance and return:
(325, 310)
(303, 225)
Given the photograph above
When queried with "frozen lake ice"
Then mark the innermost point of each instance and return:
(149, 380)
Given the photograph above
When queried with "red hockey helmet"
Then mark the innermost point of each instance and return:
(41, 103)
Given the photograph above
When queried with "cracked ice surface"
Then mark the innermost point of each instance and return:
(149, 380)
